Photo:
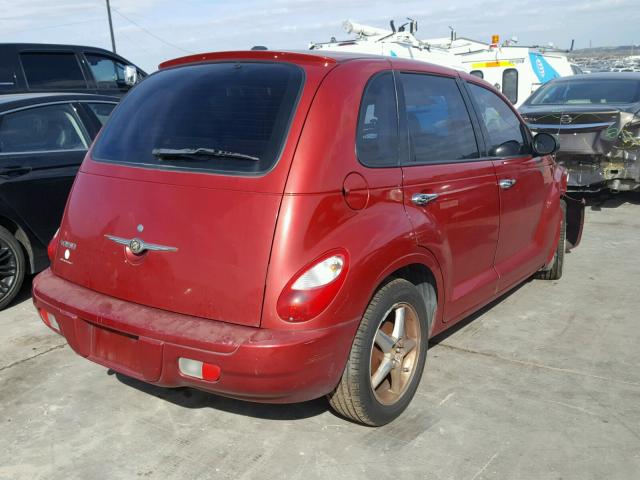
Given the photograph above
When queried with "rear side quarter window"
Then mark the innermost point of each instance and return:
(377, 131)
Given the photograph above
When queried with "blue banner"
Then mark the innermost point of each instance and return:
(543, 70)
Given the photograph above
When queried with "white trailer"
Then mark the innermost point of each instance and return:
(399, 42)
(515, 70)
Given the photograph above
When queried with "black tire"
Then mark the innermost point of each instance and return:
(12, 267)
(555, 272)
(354, 397)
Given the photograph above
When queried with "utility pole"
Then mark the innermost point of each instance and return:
(113, 40)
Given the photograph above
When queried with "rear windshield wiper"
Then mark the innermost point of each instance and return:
(166, 153)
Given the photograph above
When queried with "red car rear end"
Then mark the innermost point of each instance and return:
(253, 224)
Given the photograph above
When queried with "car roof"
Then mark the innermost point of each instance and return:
(302, 57)
(14, 100)
(52, 46)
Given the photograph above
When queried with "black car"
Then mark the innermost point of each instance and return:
(40, 67)
(597, 120)
(43, 139)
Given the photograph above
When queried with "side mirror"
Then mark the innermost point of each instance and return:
(130, 75)
(545, 144)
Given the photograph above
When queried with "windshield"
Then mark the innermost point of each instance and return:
(587, 92)
(226, 113)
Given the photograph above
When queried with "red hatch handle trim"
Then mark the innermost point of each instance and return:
(138, 246)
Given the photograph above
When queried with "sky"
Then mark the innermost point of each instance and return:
(148, 32)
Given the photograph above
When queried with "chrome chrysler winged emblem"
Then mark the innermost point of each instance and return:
(566, 119)
(138, 247)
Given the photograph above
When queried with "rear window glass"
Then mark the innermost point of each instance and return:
(216, 117)
(587, 91)
(52, 70)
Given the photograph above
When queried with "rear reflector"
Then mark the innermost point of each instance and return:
(49, 319)
(198, 369)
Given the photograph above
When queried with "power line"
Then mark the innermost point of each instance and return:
(149, 32)
(60, 25)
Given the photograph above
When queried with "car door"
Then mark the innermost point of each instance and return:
(41, 148)
(524, 180)
(450, 192)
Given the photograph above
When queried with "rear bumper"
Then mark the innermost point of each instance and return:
(146, 343)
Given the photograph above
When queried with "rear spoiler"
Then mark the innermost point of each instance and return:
(264, 55)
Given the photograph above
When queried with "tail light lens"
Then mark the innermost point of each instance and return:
(51, 248)
(311, 290)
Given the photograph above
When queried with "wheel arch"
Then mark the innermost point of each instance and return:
(422, 269)
(23, 239)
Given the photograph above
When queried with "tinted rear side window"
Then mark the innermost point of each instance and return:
(440, 128)
(377, 137)
(240, 110)
(52, 70)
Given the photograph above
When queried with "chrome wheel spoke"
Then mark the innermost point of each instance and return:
(396, 380)
(398, 326)
(381, 373)
(384, 341)
(409, 344)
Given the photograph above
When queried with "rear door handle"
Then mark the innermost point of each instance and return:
(423, 198)
(507, 183)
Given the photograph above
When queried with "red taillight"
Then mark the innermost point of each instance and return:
(51, 248)
(310, 291)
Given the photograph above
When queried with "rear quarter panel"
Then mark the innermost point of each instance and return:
(314, 217)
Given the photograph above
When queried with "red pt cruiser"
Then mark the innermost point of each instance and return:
(278, 226)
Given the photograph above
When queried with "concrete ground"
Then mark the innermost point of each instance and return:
(544, 384)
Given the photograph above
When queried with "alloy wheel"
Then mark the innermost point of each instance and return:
(395, 353)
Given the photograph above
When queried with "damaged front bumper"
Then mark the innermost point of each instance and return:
(599, 156)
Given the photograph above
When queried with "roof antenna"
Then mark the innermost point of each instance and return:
(259, 47)
(573, 41)
(413, 26)
(393, 26)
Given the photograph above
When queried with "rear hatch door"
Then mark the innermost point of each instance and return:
(189, 174)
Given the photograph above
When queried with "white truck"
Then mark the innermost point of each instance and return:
(515, 70)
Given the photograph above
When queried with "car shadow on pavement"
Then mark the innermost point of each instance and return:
(191, 398)
(474, 316)
(602, 200)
